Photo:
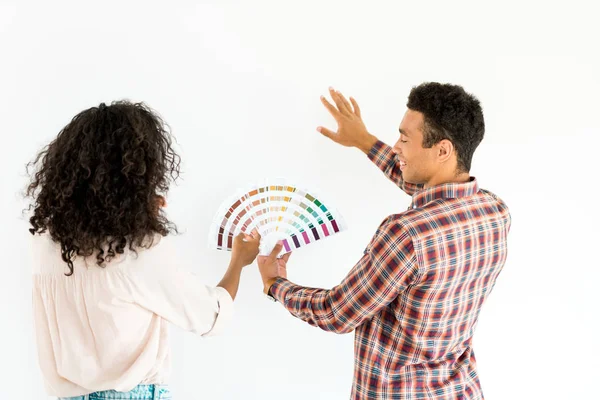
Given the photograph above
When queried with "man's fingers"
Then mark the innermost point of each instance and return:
(341, 102)
(332, 110)
(356, 107)
(345, 102)
(326, 132)
(286, 256)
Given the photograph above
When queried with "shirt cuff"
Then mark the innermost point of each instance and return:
(280, 288)
(225, 313)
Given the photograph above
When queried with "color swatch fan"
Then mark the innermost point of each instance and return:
(279, 211)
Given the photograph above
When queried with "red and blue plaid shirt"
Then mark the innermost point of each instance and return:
(414, 297)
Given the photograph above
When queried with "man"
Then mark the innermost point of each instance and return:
(414, 297)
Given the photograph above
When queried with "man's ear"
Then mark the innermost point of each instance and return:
(445, 150)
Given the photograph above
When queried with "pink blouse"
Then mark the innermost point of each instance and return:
(107, 328)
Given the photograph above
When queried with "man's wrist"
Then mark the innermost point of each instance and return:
(367, 144)
(267, 285)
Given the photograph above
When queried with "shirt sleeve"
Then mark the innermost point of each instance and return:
(382, 155)
(387, 267)
(159, 282)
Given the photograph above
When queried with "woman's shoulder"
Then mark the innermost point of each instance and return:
(45, 254)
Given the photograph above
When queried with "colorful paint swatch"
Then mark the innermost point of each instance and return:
(279, 211)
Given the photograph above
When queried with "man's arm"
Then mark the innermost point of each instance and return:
(385, 270)
(384, 158)
(353, 133)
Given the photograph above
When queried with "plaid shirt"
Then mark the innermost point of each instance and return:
(414, 297)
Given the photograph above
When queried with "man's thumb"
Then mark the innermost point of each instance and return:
(276, 251)
(326, 132)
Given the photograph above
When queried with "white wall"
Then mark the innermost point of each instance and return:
(239, 83)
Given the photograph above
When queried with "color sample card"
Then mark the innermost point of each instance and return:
(279, 211)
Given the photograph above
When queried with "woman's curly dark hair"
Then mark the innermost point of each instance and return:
(449, 113)
(99, 183)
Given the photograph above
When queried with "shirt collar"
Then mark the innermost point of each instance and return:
(444, 191)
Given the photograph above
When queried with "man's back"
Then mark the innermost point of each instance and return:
(420, 344)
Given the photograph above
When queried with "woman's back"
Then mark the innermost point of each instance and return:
(113, 320)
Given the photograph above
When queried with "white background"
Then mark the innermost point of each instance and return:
(239, 84)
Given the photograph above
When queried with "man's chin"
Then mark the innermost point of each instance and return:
(409, 179)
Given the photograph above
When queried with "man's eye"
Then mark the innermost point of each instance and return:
(402, 141)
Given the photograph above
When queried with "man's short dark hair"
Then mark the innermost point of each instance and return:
(449, 113)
